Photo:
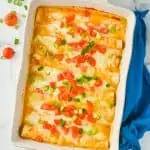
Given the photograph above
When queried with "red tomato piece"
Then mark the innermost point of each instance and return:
(79, 30)
(75, 131)
(90, 107)
(67, 114)
(57, 112)
(78, 121)
(87, 13)
(65, 129)
(38, 90)
(38, 138)
(80, 59)
(64, 96)
(60, 77)
(78, 45)
(68, 75)
(46, 106)
(90, 118)
(54, 130)
(62, 89)
(104, 30)
(91, 61)
(52, 84)
(83, 68)
(100, 48)
(98, 83)
(82, 116)
(70, 19)
(57, 121)
(70, 108)
(8, 53)
(58, 41)
(59, 57)
(11, 19)
(46, 125)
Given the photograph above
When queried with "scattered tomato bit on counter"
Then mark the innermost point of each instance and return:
(11, 19)
(8, 52)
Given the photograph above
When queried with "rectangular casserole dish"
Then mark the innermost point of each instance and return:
(120, 95)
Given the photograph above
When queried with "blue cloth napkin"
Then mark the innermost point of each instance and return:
(136, 118)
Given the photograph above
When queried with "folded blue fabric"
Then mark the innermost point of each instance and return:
(136, 118)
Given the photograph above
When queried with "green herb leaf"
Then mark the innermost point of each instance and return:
(46, 87)
(18, 2)
(77, 99)
(62, 122)
(40, 121)
(81, 130)
(16, 41)
(113, 29)
(107, 85)
(63, 42)
(40, 68)
(92, 132)
(88, 48)
(57, 104)
(25, 7)
(1, 20)
(84, 79)
(83, 95)
(10, 1)
(65, 83)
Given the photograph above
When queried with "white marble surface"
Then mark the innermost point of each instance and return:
(9, 73)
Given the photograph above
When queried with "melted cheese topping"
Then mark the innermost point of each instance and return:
(73, 76)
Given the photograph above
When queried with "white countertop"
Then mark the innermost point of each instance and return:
(9, 73)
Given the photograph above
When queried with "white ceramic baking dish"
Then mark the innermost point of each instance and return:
(100, 5)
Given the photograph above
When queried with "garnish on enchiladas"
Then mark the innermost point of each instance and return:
(73, 76)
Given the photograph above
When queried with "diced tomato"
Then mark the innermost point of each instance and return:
(46, 125)
(70, 108)
(79, 30)
(80, 89)
(8, 53)
(38, 138)
(65, 96)
(78, 45)
(38, 90)
(63, 89)
(82, 116)
(68, 60)
(57, 112)
(90, 107)
(65, 129)
(87, 13)
(75, 131)
(68, 75)
(46, 106)
(103, 30)
(91, 61)
(79, 59)
(11, 19)
(70, 19)
(98, 83)
(60, 77)
(58, 41)
(57, 121)
(67, 114)
(73, 83)
(54, 130)
(78, 121)
(83, 68)
(90, 118)
(62, 24)
(59, 57)
(100, 48)
(52, 84)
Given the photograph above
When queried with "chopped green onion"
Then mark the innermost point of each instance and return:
(46, 87)
(55, 45)
(77, 99)
(40, 68)
(57, 103)
(88, 48)
(1, 20)
(113, 29)
(83, 95)
(17, 26)
(40, 121)
(18, 2)
(65, 83)
(84, 79)
(107, 85)
(81, 131)
(62, 122)
(63, 42)
(10, 1)
(25, 7)
(92, 132)
(16, 41)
